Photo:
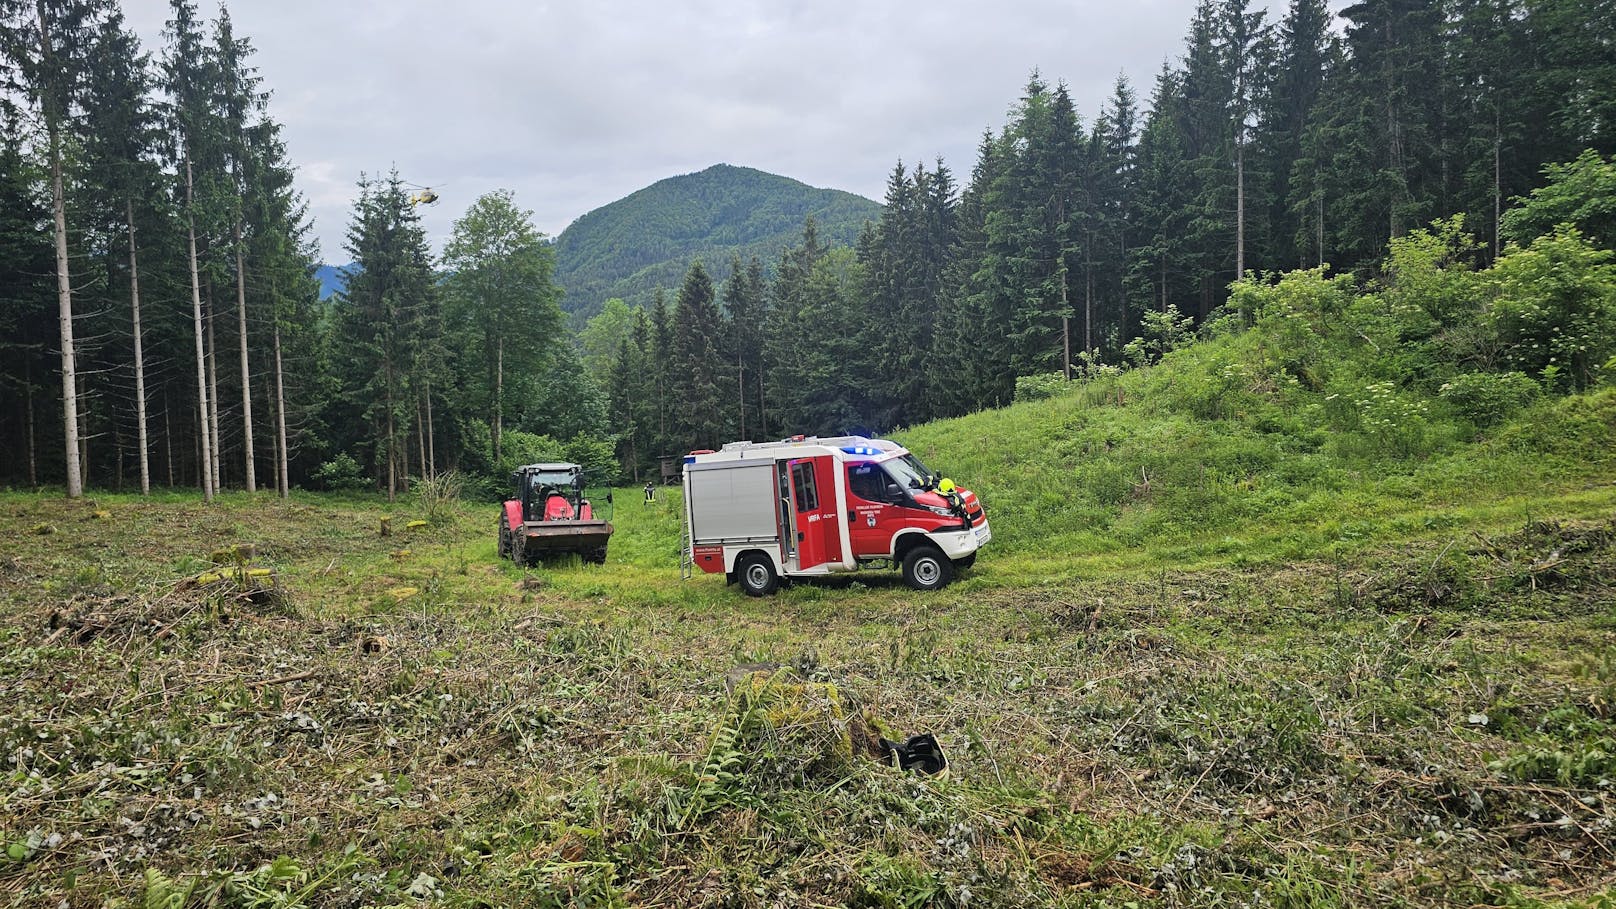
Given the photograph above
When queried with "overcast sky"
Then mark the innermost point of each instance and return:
(573, 105)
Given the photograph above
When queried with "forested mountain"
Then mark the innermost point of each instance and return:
(647, 240)
(332, 278)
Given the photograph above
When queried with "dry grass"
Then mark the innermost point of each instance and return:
(408, 722)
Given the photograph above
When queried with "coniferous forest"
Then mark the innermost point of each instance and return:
(160, 325)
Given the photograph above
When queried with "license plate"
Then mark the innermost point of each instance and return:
(983, 534)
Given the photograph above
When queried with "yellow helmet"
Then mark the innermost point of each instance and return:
(946, 486)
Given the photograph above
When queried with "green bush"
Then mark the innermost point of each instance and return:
(1039, 387)
(1555, 316)
(338, 474)
(1486, 398)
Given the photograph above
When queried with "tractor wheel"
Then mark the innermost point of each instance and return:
(519, 550)
(926, 568)
(504, 538)
(756, 575)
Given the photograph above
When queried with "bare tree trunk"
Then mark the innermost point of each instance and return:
(1318, 192)
(205, 473)
(246, 371)
(431, 441)
(1088, 309)
(1164, 282)
(140, 360)
(392, 440)
(280, 417)
(499, 396)
(420, 437)
(1498, 180)
(64, 284)
(763, 414)
(84, 437)
(392, 455)
(168, 442)
(213, 394)
(28, 392)
(1239, 208)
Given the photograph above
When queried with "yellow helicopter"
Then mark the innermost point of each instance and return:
(426, 195)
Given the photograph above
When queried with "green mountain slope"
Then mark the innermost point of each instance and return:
(648, 239)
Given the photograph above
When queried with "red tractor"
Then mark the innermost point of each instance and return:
(550, 515)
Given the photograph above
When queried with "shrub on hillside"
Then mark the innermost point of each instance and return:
(1486, 398)
(1163, 332)
(1040, 386)
(339, 474)
(1555, 316)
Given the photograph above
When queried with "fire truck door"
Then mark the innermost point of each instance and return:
(813, 493)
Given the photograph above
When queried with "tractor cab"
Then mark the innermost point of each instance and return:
(552, 492)
(550, 514)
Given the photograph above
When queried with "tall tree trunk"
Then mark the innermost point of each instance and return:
(392, 440)
(168, 441)
(280, 416)
(1498, 180)
(28, 392)
(1239, 208)
(204, 472)
(64, 284)
(246, 371)
(431, 441)
(213, 393)
(140, 359)
(1164, 281)
(499, 396)
(420, 435)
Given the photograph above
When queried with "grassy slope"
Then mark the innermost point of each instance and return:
(1260, 679)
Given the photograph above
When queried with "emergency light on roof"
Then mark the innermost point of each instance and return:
(861, 450)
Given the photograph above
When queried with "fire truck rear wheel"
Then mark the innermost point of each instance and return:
(756, 575)
(926, 568)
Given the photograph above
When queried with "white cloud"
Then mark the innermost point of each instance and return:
(575, 104)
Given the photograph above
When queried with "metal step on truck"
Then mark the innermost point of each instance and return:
(760, 512)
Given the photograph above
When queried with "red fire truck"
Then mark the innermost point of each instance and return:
(810, 507)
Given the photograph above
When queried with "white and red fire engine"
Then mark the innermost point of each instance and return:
(809, 507)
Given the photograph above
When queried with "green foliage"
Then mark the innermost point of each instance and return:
(1039, 387)
(1163, 332)
(1581, 193)
(1555, 313)
(1486, 399)
(338, 474)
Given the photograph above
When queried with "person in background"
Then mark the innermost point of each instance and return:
(650, 492)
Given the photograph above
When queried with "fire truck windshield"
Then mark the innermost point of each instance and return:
(908, 472)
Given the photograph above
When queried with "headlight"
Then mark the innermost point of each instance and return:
(938, 509)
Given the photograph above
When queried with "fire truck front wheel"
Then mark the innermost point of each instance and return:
(926, 568)
(756, 575)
